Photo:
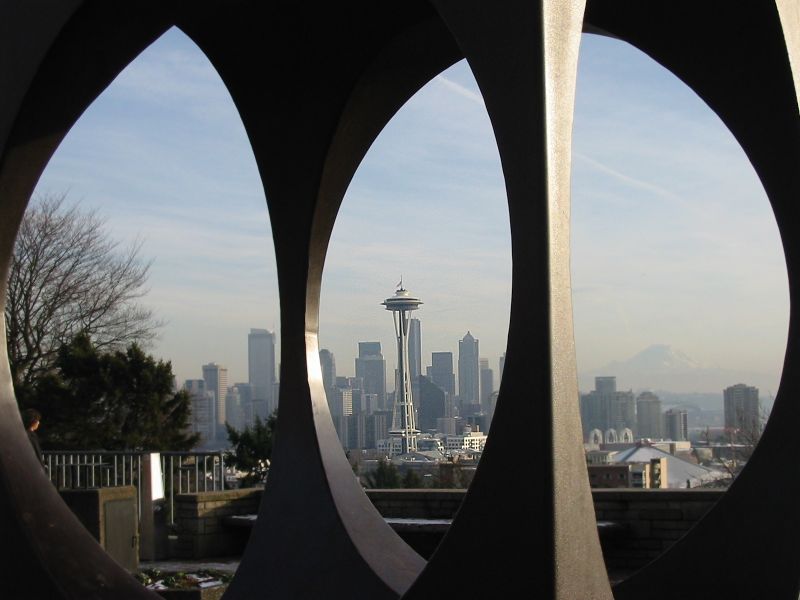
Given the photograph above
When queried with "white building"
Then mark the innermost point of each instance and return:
(468, 440)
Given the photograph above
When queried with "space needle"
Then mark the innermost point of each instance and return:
(403, 434)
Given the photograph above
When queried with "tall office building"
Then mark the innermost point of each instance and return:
(216, 380)
(404, 430)
(676, 423)
(328, 364)
(202, 420)
(431, 403)
(245, 393)
(414, 349)
(371, 368)
(649, 420)
(487, 384)
(261, 370)
(441, 372)
(235, 415)
(468, 372)
(502, 365)
(742, 409)
(341, 402)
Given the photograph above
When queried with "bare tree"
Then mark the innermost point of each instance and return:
(741, 442)
(68, 277)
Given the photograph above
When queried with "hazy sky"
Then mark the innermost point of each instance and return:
(673, 238)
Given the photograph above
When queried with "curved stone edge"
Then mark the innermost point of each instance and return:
(45, 551)
(310, 123)
(544, 541)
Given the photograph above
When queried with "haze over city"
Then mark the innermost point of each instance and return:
(674, 243)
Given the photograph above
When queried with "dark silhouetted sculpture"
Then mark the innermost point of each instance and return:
(314, 85)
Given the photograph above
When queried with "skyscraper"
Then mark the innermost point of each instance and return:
(487, 384)
(203, 421)
(676, 422)
(414, 349)
(216, 380)
(261, 370)
(468, 372)
(371, 368)
(245, 392)
(502, 365)
(649, 420)
(742, 409)
(431, 403)
(328, 364)
(404, 431)
(441, 372)
(606, 408)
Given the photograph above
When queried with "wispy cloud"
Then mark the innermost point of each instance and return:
(628, 180)
(672, 236)
(461, 90)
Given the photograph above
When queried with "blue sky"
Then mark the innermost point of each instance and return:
(673, 239)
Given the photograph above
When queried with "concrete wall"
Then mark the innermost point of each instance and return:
(98, 509)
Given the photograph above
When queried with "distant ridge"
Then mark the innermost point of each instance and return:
(661, 367)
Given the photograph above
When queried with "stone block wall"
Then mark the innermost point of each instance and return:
(651, 520)
(201, 532)
(646, 521)
(417, 504)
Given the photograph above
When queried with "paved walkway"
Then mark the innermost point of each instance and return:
(226, 564)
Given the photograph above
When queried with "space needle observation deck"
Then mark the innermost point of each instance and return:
(403, 433)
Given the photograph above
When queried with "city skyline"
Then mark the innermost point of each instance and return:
(673, 239)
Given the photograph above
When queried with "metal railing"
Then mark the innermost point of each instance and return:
(191, 472)
(181, 472)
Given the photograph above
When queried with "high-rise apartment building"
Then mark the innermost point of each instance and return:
(371, 368)
(605, 408)
(261, 370)
(414, 349)
(742, 409)
(216, 379)
(676, 423)
(649, 420)
(605, 385)
(468, 371)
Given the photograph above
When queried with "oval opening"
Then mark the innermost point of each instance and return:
(425, 219)
(680, 292)
(162, 160)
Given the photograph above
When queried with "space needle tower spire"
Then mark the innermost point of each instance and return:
(404, 432)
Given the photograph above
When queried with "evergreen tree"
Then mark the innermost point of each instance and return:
(120, 400)
(385, 476)
(252, 449)
(412, 480)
